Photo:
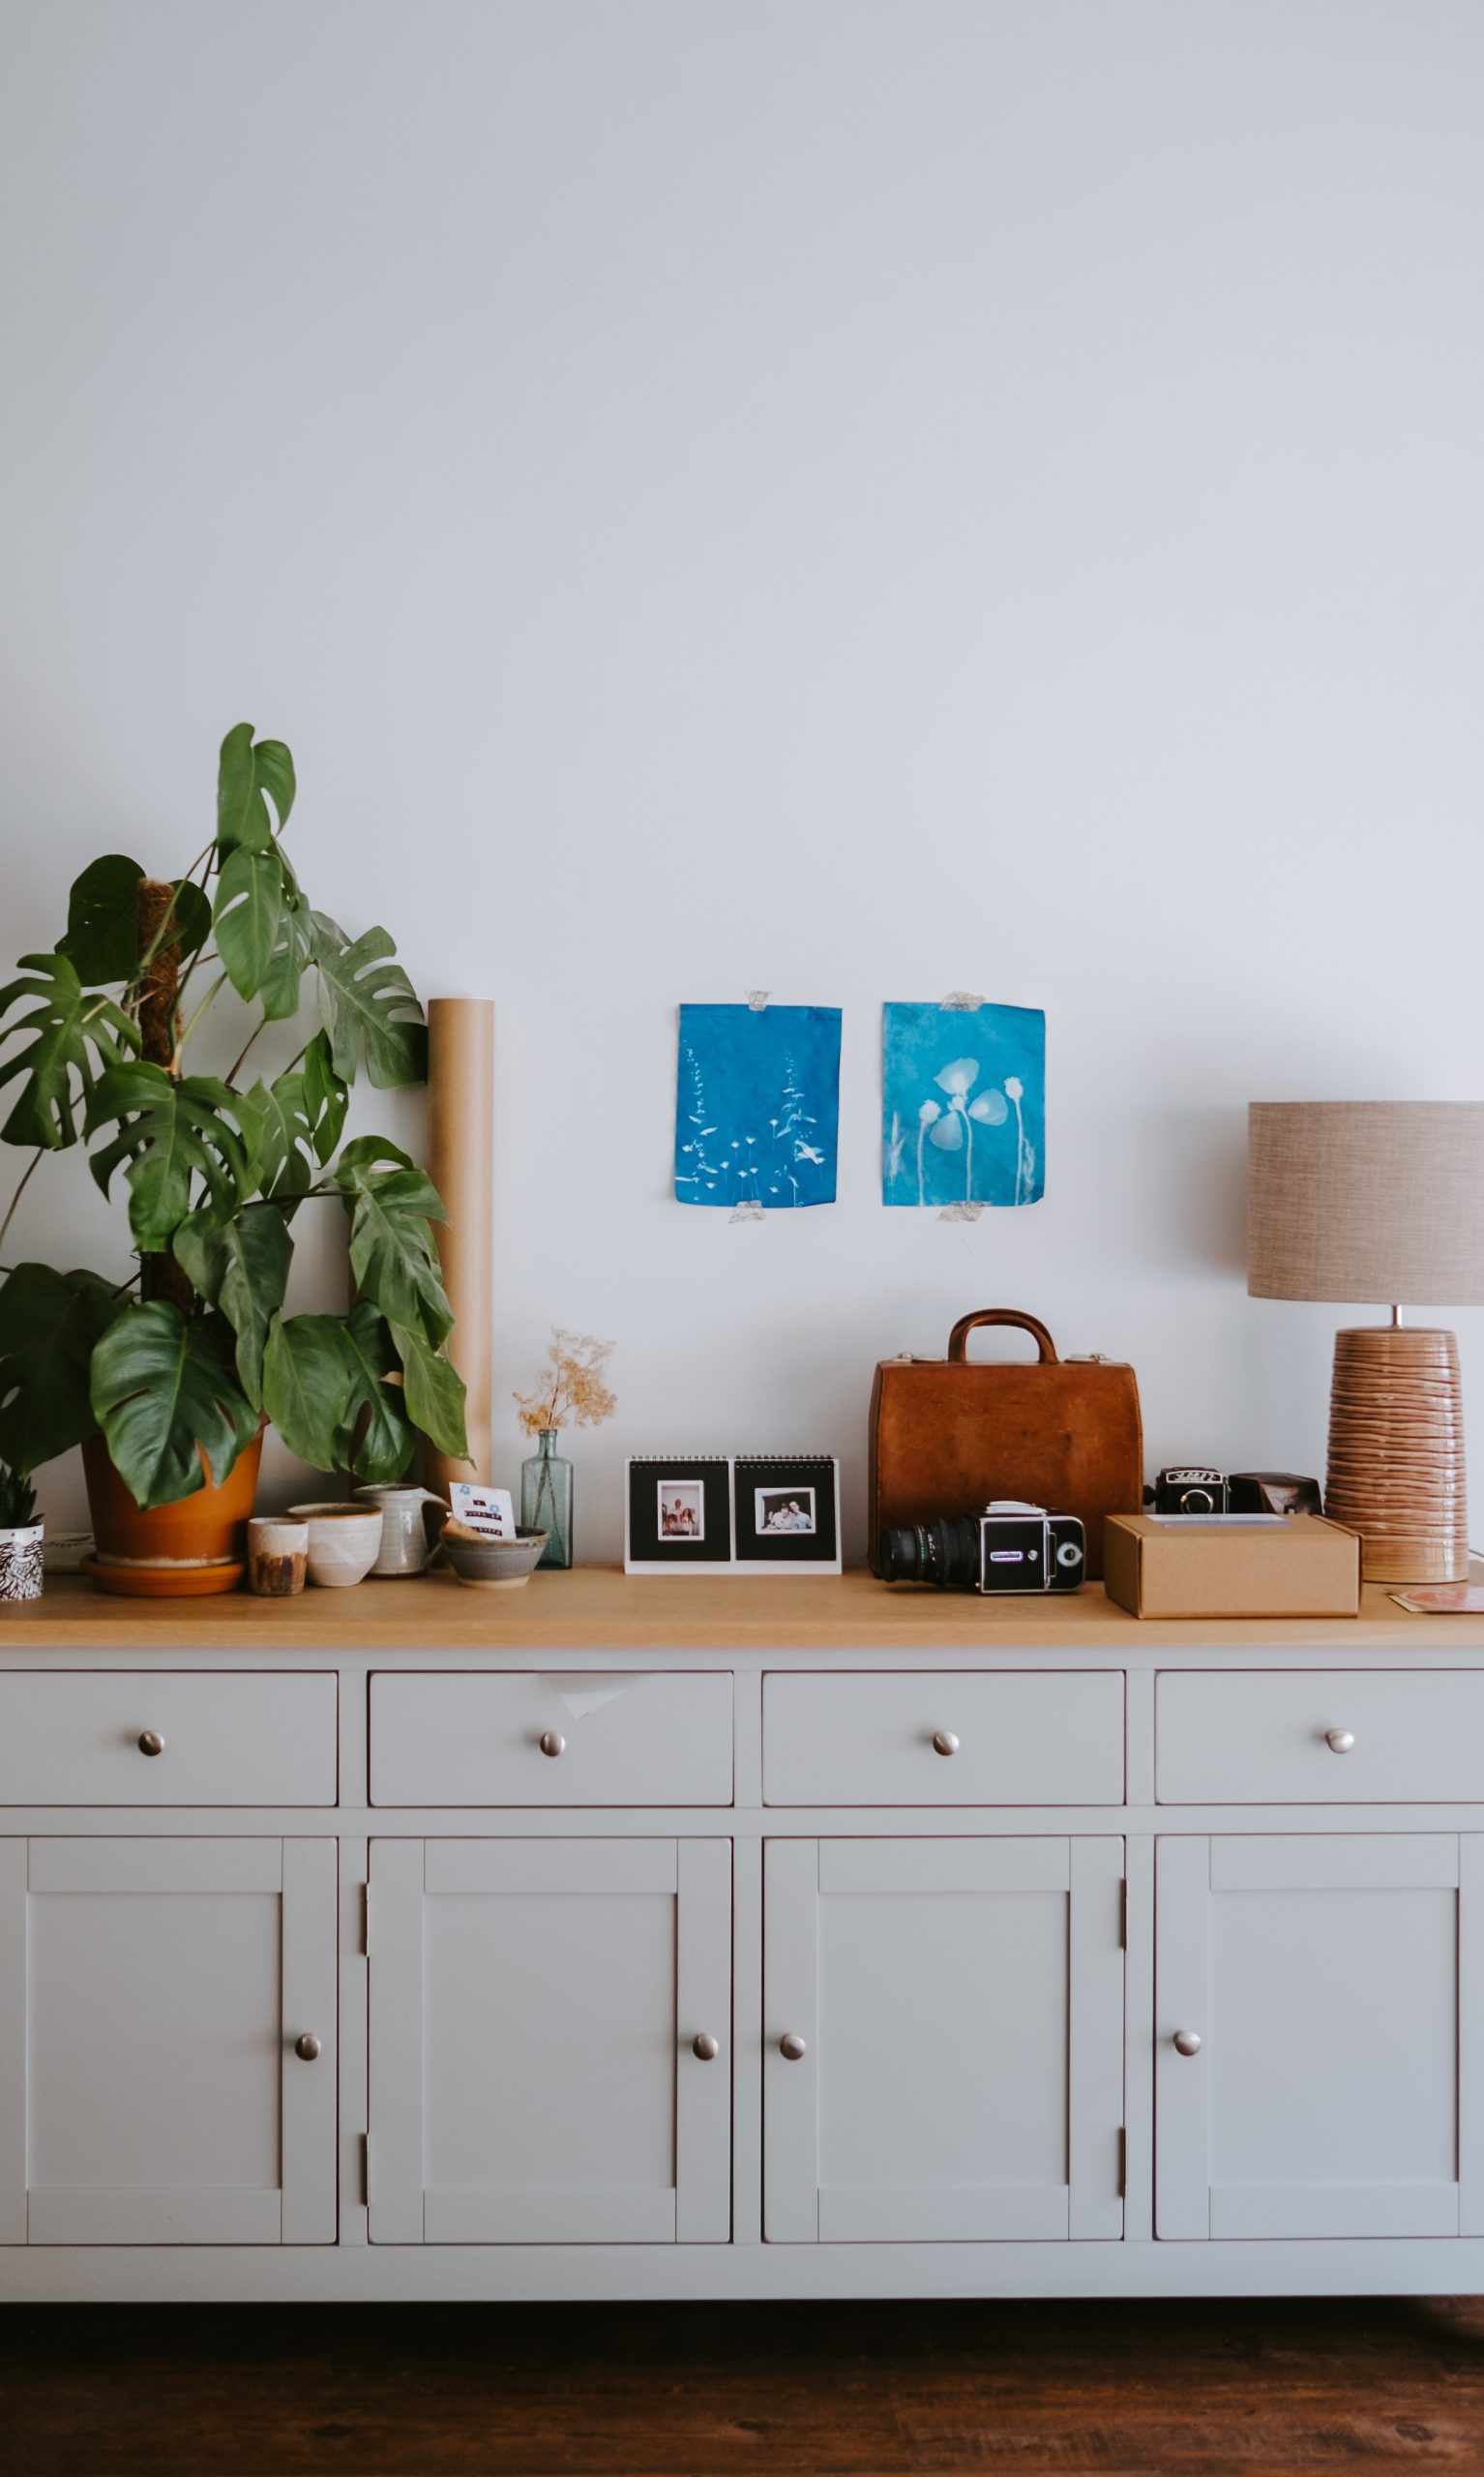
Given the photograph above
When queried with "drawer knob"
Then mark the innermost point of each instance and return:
(705, 2048)
(945, 1742)
(552, 1742)
(306, 2046)
(151, 1742)
(791, 2045)
(1339, 1741)
(1187, 2042)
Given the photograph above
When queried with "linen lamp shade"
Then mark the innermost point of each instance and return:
(1366, 1200)
(1379, 1200)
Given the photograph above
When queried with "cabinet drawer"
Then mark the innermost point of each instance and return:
(1247, 1737)
(943, 1737)
(551, 1740)
(81, 1738)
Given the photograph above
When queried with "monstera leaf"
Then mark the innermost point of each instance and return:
(378, 1435)
(243, 773)
(292, 1124)
(170, 1133)
(391, 1251)
(306, 1386)
(241, 1267)
(248, 915)
(279, 989)
(326, 1097)
(72, 1033)
(434, 1391)
(369, 1004)
(329, 1389)
(102, 920)
(165, 1391)
(48, 1325)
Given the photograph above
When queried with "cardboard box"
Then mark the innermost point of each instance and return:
(1290, 1566)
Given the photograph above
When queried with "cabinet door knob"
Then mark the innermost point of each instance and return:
(306, 2046)
(151, 1742)
(1187, 2042)
(791, 2045)
(705, 2045)
(552, 1742)
(945, 1742)
(1339, 1741)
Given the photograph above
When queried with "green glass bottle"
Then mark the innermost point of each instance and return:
(546, 1498)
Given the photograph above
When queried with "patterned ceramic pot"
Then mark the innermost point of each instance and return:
(20, 1563)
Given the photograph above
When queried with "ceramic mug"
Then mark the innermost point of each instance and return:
(404, 1547)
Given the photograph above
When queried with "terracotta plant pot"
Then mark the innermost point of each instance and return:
(207, 1529)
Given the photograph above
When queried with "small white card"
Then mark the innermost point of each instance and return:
(489, 1510)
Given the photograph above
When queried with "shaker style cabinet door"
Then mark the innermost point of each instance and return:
(551, 2041)
(943, 2041)
(154, 1995)
(1320, 2034)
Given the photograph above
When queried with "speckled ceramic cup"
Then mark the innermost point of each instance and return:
(278, 1555)
(344, 1542)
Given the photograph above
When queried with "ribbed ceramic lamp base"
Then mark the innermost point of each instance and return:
(1396, 1452)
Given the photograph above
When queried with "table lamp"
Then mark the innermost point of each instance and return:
(1381, 1200)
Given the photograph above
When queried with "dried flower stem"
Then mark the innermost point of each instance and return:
(571, 1387)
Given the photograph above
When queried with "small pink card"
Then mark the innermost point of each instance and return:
(1445, 1599)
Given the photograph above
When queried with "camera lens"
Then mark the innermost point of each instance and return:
(1069, 1553)
(944, 1553)
(901, 1559)
(1196, 1501)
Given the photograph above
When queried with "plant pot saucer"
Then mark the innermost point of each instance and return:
(164, 1581)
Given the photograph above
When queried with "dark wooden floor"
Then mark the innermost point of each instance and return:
(725, 2391)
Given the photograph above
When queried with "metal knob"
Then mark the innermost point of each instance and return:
(705, 2046)
(151, 1742)
(945, 1742)
(307, 2048)
(552, 1742)
(792, 2046)
(1187, 2042)
(1339, 1741)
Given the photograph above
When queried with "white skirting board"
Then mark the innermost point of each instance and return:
(574, 2274)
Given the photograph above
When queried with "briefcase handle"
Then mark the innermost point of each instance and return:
(958, 1339)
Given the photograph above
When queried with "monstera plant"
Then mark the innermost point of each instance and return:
(179, 1365)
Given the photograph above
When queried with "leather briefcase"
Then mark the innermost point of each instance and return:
(946, 1435)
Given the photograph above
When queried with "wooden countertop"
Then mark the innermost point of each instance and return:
(598, 1608)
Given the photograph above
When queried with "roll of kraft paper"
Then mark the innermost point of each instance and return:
(460, 1149)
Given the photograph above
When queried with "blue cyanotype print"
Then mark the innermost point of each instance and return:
(963, 1105)
(758, 1106)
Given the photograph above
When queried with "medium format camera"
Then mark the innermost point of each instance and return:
(1008, 1547)
(1189, 1487)
(1193, 1487)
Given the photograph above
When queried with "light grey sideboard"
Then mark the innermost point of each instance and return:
(735, 1938)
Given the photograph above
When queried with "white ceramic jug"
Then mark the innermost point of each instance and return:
(405, 1548)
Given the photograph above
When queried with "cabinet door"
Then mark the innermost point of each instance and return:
(960, 2007)
(151, 1996)
(535, 2013)
(1334, 1986)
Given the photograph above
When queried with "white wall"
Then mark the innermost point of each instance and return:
(857, 497)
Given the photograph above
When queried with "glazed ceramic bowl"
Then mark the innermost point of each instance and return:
(495, 1565)
(344, 1542)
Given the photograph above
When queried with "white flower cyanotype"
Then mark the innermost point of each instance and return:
(758, 1106)
(973, 1086)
